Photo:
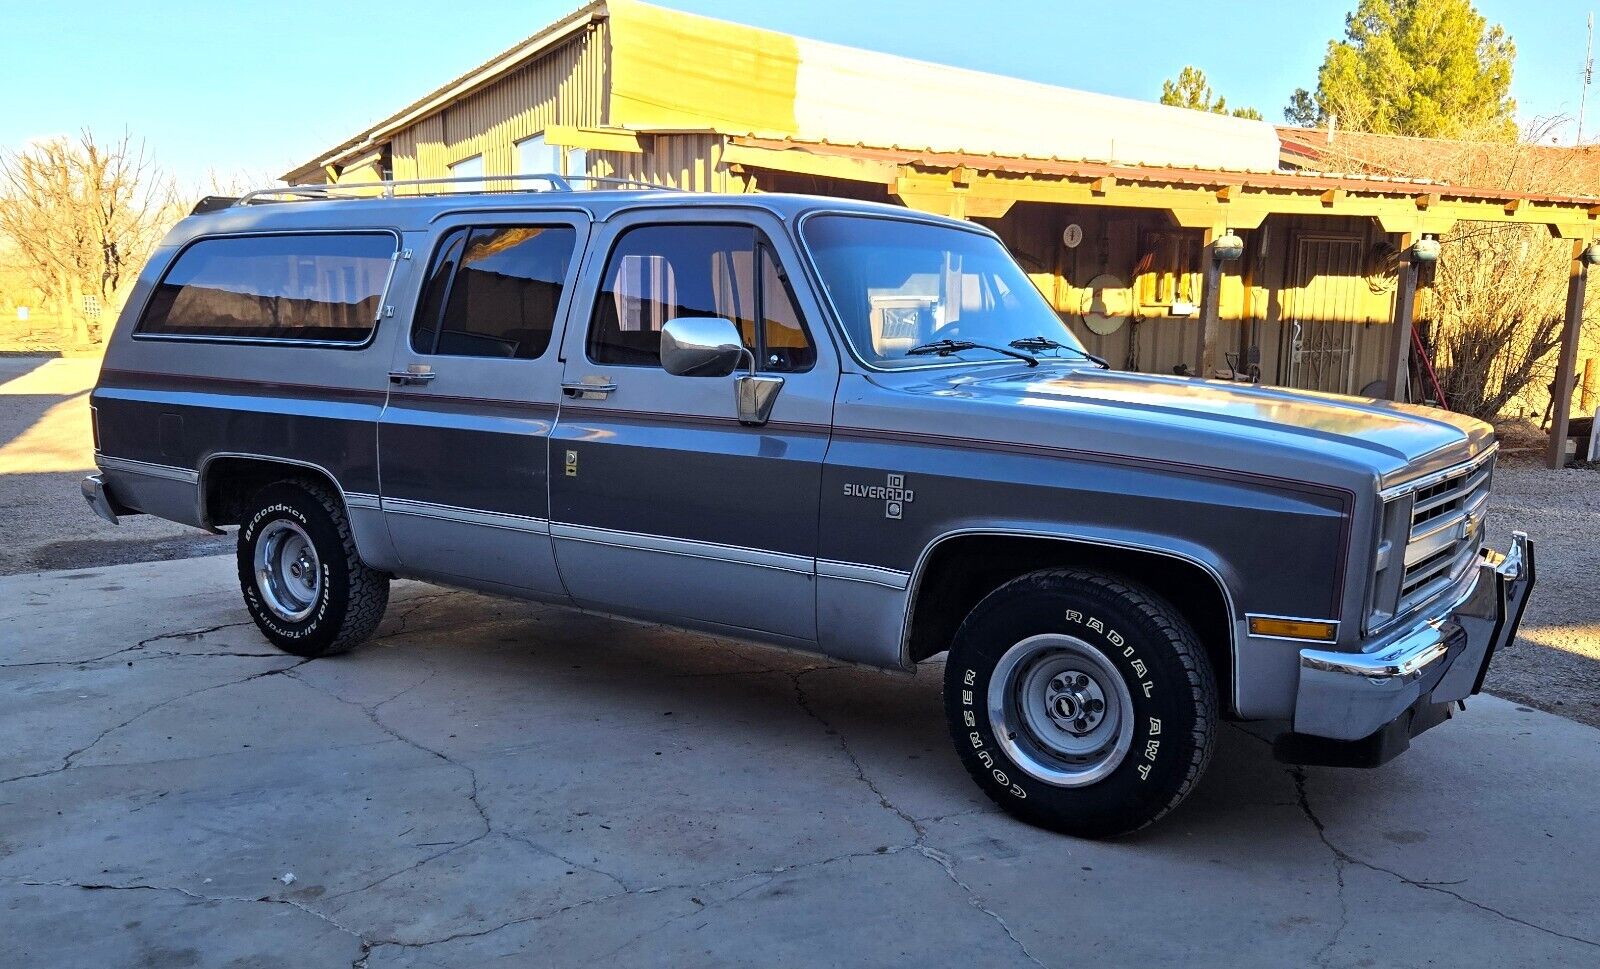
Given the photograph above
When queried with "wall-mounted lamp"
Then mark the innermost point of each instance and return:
(1425, 249)
(1227, 248)
(1591, 255)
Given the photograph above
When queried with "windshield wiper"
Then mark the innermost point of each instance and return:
(1037, 343)
(946, 347)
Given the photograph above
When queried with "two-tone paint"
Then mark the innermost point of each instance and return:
(648, 498)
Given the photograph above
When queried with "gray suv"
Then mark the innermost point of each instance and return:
(837, 427)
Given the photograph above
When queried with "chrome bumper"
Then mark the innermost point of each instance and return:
(94, 492)
(1353, 696)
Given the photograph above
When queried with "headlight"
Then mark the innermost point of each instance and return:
(1389, 561)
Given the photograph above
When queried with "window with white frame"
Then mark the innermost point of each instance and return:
(468, 168)
(535, 156)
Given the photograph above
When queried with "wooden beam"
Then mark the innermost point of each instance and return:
(594, 139)
(1398, 372)
(805, 163)
(1566, 363)
(1210, 297)
(1103, 185)
(1333, 196)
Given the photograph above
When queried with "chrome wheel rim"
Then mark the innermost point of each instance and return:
(288, 573)
(1060, 710)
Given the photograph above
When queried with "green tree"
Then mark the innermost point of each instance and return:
(1190, 89)
(1426, 68)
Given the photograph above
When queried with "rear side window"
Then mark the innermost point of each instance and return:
(494, 291)
(323, 286)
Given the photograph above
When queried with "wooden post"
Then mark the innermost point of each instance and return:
(1566, 363)
(1210, 299)
(1398, 372)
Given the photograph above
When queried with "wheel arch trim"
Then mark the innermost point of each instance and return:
(347, 499)
(918, 573)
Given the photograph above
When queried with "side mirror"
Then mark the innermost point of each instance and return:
(700, 346)
(709, 346)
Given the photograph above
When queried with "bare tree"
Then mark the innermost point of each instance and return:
(84, 216)
(1498, 295)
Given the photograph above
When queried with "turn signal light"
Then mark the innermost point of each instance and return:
(1325, 632)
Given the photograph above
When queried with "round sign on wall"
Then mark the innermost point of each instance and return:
(1072, 235)
(1106, 304)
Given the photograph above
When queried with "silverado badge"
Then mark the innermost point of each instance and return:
(893, 493)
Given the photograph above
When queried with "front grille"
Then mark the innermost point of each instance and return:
(1446, 531)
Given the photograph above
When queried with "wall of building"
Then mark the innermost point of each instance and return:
(565, 86)
(1330, 278)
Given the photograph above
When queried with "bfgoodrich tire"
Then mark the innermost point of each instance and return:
(305, 586)
(1080, 702)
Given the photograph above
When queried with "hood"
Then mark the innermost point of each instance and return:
(1396, 440)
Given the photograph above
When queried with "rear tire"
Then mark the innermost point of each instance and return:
(303, 582)
(1080, 702)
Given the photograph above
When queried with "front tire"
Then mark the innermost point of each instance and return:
(1080, 702)
(303, 581)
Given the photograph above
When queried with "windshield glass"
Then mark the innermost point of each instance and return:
(899, 284)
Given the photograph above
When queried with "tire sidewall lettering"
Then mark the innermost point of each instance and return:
(263, 615)
(1147, 750)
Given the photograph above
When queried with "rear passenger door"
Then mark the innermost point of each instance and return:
(463, 441)
(662, 504)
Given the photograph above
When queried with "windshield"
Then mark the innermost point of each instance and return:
(898, 284)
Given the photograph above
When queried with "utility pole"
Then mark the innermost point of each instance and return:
(1588, 75)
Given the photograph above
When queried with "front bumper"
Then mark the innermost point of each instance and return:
(1383, 698)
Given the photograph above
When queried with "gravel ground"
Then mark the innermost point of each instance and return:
(45, 450)
(1555, 663)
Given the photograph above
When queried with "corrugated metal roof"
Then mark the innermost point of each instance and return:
(1161, 174)
(1574, 169)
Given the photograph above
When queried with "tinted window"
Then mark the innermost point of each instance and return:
(290, 287)
(659, 273)
(494, 292)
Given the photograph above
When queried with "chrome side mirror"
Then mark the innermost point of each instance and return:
(700, 346)
(709, 346)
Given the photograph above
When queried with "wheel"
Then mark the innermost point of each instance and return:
(1080, 702)
(304, 584)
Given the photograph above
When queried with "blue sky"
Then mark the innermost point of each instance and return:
(256, 88)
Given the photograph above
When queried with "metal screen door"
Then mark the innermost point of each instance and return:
(1324, 309)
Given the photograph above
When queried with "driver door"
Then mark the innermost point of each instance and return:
(662, 504)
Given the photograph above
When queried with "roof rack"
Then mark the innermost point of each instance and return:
(552, 182)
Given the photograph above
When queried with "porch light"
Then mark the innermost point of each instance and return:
(1425, 249)
(1227, 248)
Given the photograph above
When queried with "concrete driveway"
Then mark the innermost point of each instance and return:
(500, 783)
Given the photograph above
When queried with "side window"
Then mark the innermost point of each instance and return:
(308, 286)
(493, 291)
(659, 273)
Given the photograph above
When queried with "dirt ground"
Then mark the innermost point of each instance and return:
(45, 449)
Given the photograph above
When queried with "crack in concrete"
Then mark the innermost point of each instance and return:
(411, 607)
(472, 794)
(140, 645)
(71, 756)
(196, 896)
(1343, 858)
(920, 845)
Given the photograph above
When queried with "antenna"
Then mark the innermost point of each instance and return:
(1588, 76)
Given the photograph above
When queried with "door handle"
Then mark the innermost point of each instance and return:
(593, 388)
(406, 377)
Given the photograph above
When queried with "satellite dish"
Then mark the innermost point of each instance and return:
(1106, 304)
